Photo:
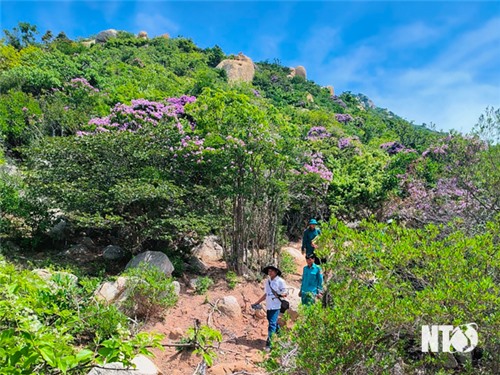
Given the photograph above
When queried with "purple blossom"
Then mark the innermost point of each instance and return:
(317, 166)
(274, 78)
(392, 148)
(83, 83)
(24, 109)
(140, 112)
(317, 132)
(343, 117)
(344, 143)
(256, 93)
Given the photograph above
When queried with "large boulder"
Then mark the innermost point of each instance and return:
(143, 366)
(301, 71)
(209, 250)
(153, 259)
(105, 35)
(113, 252)
(229, 306)
(241, 68)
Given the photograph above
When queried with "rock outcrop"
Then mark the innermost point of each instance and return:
(301, 71)
(241, 68)
(105, 35)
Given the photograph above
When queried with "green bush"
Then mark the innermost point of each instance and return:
(232, 279)
(149, 291)
(383, 283)
(52, 327)
(203, 284)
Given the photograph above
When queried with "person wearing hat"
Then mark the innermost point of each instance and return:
(312, 282)
(274, 287)
(309, 235)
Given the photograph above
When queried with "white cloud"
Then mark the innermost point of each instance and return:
(448, 88)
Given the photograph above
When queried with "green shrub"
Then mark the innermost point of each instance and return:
(383, 283)
(203, 284)
(287, 263)
(51, 327)
(149, 292)
(232, 279)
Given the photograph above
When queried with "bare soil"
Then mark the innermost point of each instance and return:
(241, 350)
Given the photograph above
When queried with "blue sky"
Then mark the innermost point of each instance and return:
(426, 61)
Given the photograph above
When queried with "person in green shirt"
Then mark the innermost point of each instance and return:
(308, 246)
(312, 281)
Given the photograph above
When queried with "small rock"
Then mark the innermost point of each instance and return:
(177, 287)
(310, 98)
(292, 73)
(331, 90)
(144, 366)
(87, 241)
(192, 283)
(43, 273)
(111, 291)
(76, 252)
(451, 361)
(142, 35)
(229, 306)
(113, 252)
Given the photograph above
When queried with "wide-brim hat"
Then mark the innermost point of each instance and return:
(313, 221)
(267, 268)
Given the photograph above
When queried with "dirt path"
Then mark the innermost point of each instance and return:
(243, 337)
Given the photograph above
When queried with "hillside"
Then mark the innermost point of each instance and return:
(117, 145)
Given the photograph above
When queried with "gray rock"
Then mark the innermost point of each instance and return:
(58, 230)
(113, 252)
(76, 252)
(153, 259)
(192, 283)
(105, 35)
(87, 241)
(229, 306)
(177, 287)
(144, 366)
(198, 265)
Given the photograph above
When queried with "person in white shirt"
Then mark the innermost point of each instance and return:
(273, 303)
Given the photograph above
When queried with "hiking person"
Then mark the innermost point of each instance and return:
(308, 246)
(274, 289)
(312, 281)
